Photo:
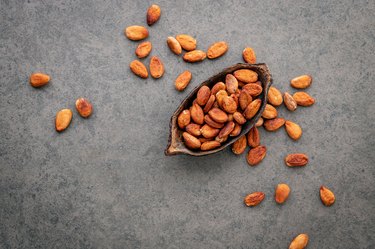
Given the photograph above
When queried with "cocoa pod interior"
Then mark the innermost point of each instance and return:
(175, 142)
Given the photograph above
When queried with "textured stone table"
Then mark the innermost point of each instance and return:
(105, 182)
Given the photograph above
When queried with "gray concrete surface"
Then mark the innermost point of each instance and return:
(105, 182)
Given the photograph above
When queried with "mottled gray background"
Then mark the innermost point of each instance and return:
(105, 182)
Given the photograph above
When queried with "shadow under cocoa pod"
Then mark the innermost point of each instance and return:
(175, 142)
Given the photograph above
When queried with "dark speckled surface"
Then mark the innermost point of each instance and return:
(105, 182)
